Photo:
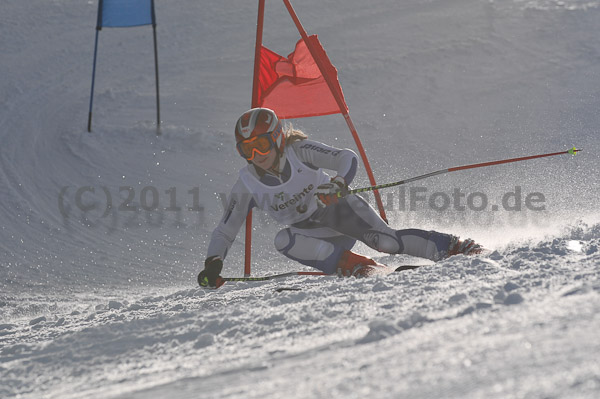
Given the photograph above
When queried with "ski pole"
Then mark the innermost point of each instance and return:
(571, 151)
(288, 274)
(274, 276)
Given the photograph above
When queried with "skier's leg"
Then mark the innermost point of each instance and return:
(322, 253)
(354, 217)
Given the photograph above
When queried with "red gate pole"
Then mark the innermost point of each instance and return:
(255, 83)
(257, 48)
(342, 105)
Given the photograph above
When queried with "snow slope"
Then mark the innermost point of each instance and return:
(521, 323)
(101, 303)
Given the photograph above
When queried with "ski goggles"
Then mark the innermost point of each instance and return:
(261, 144)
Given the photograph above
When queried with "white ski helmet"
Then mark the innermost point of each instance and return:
(258, 130)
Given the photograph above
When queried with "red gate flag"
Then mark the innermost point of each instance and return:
(294, 87)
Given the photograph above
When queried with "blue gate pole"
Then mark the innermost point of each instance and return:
(93, 80)
(156, 71)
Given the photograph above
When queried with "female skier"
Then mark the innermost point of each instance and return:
(285, 178)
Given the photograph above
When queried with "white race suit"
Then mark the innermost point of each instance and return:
(316, 236)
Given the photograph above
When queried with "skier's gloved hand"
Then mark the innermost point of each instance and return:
(210, 276)
(327, 194)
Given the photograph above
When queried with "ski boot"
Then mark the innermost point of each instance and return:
(464, 247)
(351, 264)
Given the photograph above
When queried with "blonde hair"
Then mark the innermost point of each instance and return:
(292, 135)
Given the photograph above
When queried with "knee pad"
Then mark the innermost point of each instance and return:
(283, 240)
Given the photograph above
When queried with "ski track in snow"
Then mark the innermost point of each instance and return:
(102, 304)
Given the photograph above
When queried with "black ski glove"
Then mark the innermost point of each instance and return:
(327, 193)
(210, 276)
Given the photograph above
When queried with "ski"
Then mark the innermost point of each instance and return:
(407, 267)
